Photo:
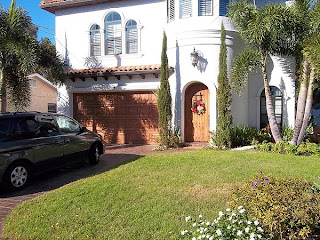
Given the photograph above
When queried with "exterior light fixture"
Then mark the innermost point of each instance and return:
(194, 57)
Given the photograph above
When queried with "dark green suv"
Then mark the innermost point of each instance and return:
(33, 142)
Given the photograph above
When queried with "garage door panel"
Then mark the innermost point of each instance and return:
(124, 117)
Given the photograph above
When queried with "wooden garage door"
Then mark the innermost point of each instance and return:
(122, 117)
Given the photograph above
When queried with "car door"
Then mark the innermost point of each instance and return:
(48, 144)
(75, 141)
(42, 135)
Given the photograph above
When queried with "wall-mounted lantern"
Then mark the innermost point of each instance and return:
(194, 57)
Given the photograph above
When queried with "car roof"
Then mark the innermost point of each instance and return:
(20, 114)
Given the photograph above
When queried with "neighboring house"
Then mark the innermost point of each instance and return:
(43, 95)
(114, 48)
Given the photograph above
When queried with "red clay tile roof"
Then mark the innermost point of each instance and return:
(128, 69)
(51, 1)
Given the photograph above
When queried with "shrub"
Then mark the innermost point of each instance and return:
(229, 225)
(286, 208)
(242, 135)
(286, 148)
(287, 133)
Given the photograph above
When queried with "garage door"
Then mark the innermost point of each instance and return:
(122, 117)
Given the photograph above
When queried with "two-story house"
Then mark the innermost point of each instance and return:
(114, 49)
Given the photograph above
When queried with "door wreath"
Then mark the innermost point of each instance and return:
(197, 104)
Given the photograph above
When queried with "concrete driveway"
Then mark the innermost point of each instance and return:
(114, 156)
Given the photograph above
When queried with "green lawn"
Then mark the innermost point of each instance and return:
(148, 198)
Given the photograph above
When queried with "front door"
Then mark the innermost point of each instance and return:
(197, 113)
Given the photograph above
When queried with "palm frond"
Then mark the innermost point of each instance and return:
(244, 64)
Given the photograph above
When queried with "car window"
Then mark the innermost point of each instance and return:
(25, 128)
(67, 125)
(5, 125)
(47, 129)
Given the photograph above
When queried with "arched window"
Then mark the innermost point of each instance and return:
(132, 37)
(276, 95)
(95, 40)
(113, 36)
(205, 7)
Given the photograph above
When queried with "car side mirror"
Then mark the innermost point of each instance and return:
(83, 129)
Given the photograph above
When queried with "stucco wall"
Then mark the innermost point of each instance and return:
(201, 33)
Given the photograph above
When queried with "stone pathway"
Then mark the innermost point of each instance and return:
(114, 156)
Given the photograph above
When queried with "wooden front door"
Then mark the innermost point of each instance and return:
(196, 125)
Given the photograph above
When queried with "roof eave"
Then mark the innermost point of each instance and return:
(52, 6)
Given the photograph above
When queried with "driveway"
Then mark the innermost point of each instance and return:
(114, 155)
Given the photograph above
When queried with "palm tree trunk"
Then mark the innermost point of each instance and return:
(3, 93)
(270, 108)
(308, 107)
(301, 103)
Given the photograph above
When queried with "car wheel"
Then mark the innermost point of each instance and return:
(94, 154)
(17, 176)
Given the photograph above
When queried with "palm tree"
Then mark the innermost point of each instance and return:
(18, 56)
(308, 16)
(267, 30)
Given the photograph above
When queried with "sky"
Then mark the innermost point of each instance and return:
(43, 19)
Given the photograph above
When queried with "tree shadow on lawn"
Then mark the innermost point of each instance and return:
(57, 178)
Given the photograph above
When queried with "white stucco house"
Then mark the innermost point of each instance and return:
(114, 49)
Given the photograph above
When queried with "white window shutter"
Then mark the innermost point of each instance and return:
(185, 8)
(132, 39)
(95, 41)
(171, 10)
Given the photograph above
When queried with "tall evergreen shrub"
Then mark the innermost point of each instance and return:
(224, 121)
(164, 98)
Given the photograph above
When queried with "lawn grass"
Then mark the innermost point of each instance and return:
(148, 198)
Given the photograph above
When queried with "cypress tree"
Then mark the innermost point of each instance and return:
(224, 121)
(164, 98)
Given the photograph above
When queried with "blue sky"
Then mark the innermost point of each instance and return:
(42, 18)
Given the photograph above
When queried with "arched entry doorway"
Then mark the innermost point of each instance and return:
(196, 127)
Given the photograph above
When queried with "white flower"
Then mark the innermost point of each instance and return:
(194, 238)
(220, 214)
(256, 223)
(184, 232)
(219, 233)
(200, 216)
(259, 236)
(260, 229)
(215, 221)
(247, 229)
(211, 238)
(208, 223)
(233, 214)
(229, 227)
(242, 211)
(230, 218)
(228, 209)
(240, 207)
(252, 235)
(249, 222)
(240, 222)
(195, 224)
(239, 233)
(251, 238)
(208, 236)
(188, 218)
(234, 221)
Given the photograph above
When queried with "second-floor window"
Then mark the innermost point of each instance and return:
(131, 37)
(95, 41)
(113, 36)
(185, 8)
(205, 7)
(223, 7)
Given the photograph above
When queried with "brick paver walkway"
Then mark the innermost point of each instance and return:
(114, 155)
